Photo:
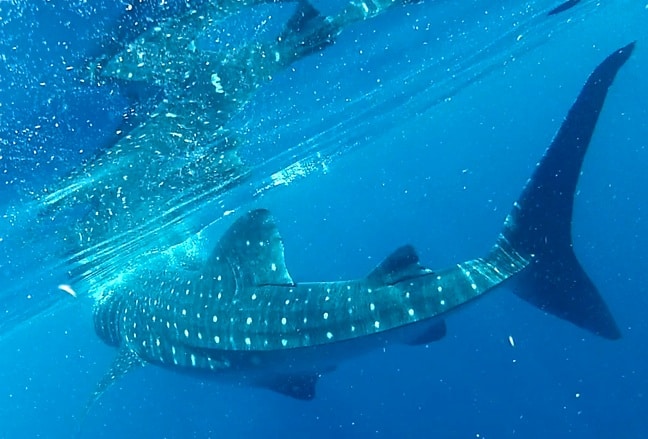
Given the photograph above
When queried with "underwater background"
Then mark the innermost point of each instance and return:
(420, 126)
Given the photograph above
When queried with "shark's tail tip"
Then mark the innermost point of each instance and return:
(629, 47)
(621, 55)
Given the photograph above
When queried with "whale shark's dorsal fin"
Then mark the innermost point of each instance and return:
(254, 249)
(401, 265)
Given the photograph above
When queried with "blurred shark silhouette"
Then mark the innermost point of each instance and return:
(183, 152)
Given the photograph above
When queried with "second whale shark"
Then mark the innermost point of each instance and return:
(242, 316)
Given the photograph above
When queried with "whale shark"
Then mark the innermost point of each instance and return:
(241, 316)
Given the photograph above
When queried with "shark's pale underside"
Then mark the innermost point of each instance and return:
(244, 317)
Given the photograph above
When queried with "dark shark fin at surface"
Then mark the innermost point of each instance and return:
(254, 248)
(299, 386)
(306, 32)
(401, 265)
(541, 220)
(126, 361)
(304, 13)
(563, 7)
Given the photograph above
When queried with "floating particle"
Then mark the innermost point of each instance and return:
(67, 289)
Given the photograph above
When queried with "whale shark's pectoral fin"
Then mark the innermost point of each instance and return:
(432, 332)
(253, 249)
(298, 386)
(402, 264)
(126, 361)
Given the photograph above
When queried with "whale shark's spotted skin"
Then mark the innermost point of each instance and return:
(242, 314)
(231, 308)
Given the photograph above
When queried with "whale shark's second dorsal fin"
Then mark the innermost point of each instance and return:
(303, 15)
(401, 265)
(253, 248)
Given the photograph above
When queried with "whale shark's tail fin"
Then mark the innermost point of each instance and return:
(539, 225)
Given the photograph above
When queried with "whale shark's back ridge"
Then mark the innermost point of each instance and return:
(540, 223)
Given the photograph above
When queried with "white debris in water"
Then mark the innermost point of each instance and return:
(511, 341)
(216, 82)
(67, 289)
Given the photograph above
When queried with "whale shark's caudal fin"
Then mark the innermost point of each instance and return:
(540, 222)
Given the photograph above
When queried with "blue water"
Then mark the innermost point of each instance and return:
(423, 125)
